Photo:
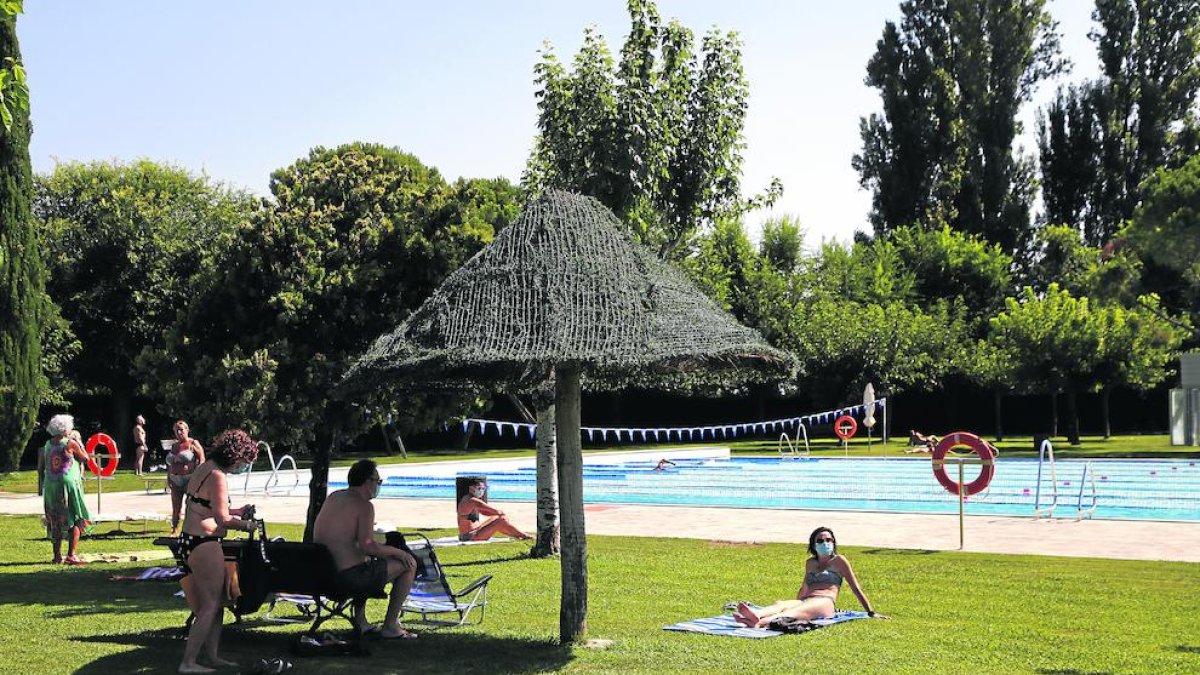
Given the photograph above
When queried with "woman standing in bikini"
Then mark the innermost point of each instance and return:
(824, 572)
(203, 560)
(185, 455)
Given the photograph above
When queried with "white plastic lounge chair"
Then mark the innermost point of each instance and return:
(431, 596)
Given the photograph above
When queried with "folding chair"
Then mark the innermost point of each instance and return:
(431, 595)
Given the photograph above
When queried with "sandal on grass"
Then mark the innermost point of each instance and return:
(73, 560)
(270, 667)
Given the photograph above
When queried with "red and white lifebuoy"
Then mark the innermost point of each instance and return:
(109, 459)
(845, 427)
(979, 446)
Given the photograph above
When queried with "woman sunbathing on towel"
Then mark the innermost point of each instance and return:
(823, 575)
(471, 510)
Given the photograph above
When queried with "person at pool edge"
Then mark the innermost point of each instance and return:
(824, 572)
(346, 527)
(472, 506)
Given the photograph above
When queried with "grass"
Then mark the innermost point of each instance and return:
(952, 613)
(1155, 446)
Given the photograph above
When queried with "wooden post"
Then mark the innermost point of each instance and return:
(572, 617)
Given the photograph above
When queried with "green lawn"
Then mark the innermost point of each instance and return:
(952, 613)
(1158, 446)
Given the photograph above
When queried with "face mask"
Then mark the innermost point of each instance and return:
(477, 491)
(243, 467)
(824, 548)
(375, 492)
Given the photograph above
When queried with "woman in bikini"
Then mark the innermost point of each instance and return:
(824, 572)
(201, 556)
(185, 455)
(471, 511)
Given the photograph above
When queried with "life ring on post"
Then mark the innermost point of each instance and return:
(979, 446)
(845, 427)
(109, 459)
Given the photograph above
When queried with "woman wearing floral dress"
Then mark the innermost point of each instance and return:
(60, 468)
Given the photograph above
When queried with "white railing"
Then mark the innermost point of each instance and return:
(1088, 476)
(1046, 450)
(272, 481)
(791, 448)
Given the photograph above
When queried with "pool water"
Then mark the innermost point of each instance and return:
(1125, 489)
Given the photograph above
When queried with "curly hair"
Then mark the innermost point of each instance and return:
(233, 446)
(60, 424)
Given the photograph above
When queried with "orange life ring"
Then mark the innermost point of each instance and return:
(110, 458)
(975, 443)
(845, 427)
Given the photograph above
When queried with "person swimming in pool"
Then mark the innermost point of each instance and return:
(663, 464)
(824, 573)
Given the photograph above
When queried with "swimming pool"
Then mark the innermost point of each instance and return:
(1126, 489)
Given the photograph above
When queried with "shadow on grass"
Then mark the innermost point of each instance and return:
(1071, 671)
(488, 561)
(434, 652)
(899, 551)
(1188, 649)
(67, 592)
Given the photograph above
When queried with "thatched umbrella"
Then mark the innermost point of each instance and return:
(564, 290)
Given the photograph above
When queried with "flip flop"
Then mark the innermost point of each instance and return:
(402, 635)
(71, 560)
(270, 667)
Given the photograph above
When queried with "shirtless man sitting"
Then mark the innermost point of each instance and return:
(346, 526)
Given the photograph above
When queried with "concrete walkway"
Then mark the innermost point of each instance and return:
(990, 534)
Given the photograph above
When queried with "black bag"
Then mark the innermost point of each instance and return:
(790, 624)
(396, 540)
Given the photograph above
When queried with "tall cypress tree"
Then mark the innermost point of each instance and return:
(21, 276)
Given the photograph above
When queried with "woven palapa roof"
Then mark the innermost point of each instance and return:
(565, 283)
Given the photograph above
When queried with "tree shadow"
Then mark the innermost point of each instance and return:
(899, 551)
(441, 652)
(488, 561)
(1071, 671)
(1188, 649)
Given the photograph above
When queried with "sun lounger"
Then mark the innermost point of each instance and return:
(431, 596)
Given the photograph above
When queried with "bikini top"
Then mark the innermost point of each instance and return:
(825, 577)
(202, 501)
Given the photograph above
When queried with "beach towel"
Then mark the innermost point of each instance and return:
(153, 574)
(727, 625)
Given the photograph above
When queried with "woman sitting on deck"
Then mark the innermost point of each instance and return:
(823, 576)
(472, 506)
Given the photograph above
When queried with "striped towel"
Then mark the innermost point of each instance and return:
(726, 625)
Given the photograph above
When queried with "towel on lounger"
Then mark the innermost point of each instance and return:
(727, 625)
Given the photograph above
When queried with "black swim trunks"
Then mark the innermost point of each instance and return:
(366, 578)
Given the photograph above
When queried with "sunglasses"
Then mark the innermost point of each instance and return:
(824, 541)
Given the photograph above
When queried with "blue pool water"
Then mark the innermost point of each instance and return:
(1126, 489)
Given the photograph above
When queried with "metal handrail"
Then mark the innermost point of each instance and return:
(1088, 476)
(273, 480)
(1045, 450)
(785, 440)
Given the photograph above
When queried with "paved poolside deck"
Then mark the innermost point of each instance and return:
(991, 534)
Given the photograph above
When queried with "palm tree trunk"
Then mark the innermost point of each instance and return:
(572, 618)
(547, 486)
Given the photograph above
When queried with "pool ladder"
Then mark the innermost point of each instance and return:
(1046, 452)
(788, 450)
(273, 479)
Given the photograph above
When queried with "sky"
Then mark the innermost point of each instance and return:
(238, 89)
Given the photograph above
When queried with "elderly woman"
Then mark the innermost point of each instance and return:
(185, 455)
(60, 482)
(824, 572)
(203, 560)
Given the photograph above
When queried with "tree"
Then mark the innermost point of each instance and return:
(1165, 231)
(952, 77)
(782, 243)
(355, 238)
(22, 298)
(656, 137)
(1069, 145)
(124, 245)
(1055, 340)
(946, 264)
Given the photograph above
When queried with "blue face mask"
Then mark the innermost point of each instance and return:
(375, 492)
(824, 548)
(241, 467)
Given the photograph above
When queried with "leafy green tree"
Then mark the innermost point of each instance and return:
(1055, 341)
(124, 244)
(947, 264)
(1069, 147)
(952, 76)
(656, 136)
(22, 299)
(782, 243)
(355, 239)
(1165, 231)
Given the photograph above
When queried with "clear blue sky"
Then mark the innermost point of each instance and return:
(238, 89)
